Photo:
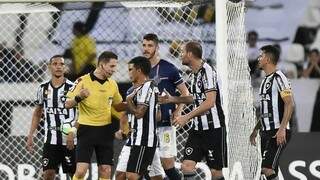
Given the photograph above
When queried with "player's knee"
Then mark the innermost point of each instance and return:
(216, 174)
(120, 175)
(80, 173)
(188, 166)
(167, 163)
(49, 174)
(104, 171)
(267, 171)
(132, 176)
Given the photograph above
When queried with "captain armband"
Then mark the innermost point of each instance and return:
(286, 92)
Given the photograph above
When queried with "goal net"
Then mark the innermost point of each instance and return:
(31, 33)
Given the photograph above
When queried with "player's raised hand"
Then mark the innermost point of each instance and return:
(165, 97)
(253, 136)
(84, 92)
(30, 144)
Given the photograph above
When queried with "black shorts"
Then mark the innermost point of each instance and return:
(270, 150)
(209, 144)
(54, 155)
(98, 139)
(140, 159)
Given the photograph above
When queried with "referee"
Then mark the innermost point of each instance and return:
(94, 94)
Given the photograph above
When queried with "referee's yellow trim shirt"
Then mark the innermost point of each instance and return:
(95, 110)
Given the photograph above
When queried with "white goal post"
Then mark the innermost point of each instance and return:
(34, 30)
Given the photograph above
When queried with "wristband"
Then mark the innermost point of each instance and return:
(77, 98)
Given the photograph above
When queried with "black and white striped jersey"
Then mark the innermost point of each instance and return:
(143, 130)
(52, 101)
(271, 103)
(205, 80)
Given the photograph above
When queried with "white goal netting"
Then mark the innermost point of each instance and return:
(29, 37)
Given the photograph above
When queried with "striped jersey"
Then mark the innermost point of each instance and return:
(52, 100)
(271, 103)
(205, 80)
(143, 130)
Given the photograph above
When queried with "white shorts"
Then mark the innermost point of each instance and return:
(154, 170)
(168, 144)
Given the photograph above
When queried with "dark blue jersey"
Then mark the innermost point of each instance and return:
(167, 76)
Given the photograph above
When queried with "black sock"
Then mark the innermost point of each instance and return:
(272, 177)
(189, 175)
(173, 174)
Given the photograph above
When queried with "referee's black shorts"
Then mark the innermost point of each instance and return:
(270, 150)
(98, 139)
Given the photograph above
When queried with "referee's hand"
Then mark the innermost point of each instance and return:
(84, 92)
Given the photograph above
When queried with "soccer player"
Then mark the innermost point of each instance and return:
(95, 94)
(207, 139)
(58, 147)
(168, 78)
(142, 107)
(276, 106)
(156, 170)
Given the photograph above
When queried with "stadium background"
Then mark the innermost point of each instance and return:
(37, 36)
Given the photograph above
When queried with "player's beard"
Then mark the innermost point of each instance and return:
(151, 55)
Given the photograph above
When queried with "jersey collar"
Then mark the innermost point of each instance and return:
(94, 78)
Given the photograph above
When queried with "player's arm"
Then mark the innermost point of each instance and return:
(254, 133)
(286, 96)
(204, 106)
(167, 98)
(36, 117)
(122, 106)
(138, 110)
(182, 88)
(180, 121)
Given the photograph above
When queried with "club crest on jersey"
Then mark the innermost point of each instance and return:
(268, 85)
(199, 84)
(47, 92)
(189, 150)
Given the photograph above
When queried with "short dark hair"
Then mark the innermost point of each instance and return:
(195, 48)
(151, 37)
(253, 33)
(272, 52)
(142, 63)
(314, 51)
(106, 56)
(80, 26)
(55, 56)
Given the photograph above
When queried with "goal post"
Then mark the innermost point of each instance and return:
(34, 31)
